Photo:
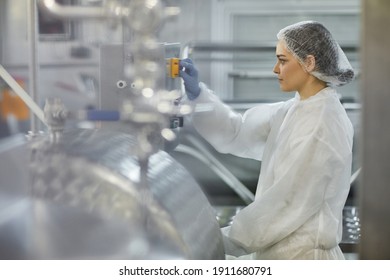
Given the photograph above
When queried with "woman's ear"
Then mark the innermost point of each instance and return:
(310, 63)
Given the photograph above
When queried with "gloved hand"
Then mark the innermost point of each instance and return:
(190, 78)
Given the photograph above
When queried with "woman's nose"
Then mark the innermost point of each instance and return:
(276, 68)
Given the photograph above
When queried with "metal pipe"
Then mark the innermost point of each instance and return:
(355, 176)
(32, 31)
(207, 158)
(38, 112)
(71, 12)
(208, 46)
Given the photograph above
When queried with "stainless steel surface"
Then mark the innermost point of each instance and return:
(81, 180)
(374, 191)
(91, 179)
(39, 229)
(116, 58)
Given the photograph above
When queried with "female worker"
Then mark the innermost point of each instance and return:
(305, 145)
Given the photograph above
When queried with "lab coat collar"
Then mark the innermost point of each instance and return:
(319, 95)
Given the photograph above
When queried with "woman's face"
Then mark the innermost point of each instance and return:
(291, 74)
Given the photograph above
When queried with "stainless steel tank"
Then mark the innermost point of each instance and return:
(82, 198)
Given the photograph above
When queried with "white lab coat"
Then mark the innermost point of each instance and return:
(306, 151)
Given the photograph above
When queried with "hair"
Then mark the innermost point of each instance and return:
(312, 38)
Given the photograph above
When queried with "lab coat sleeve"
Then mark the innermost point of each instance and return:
(231, 248)
(230, 132)
(307, 175)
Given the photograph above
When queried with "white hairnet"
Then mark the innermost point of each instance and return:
(312, 38)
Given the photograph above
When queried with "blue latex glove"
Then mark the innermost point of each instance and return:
(190, 77)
